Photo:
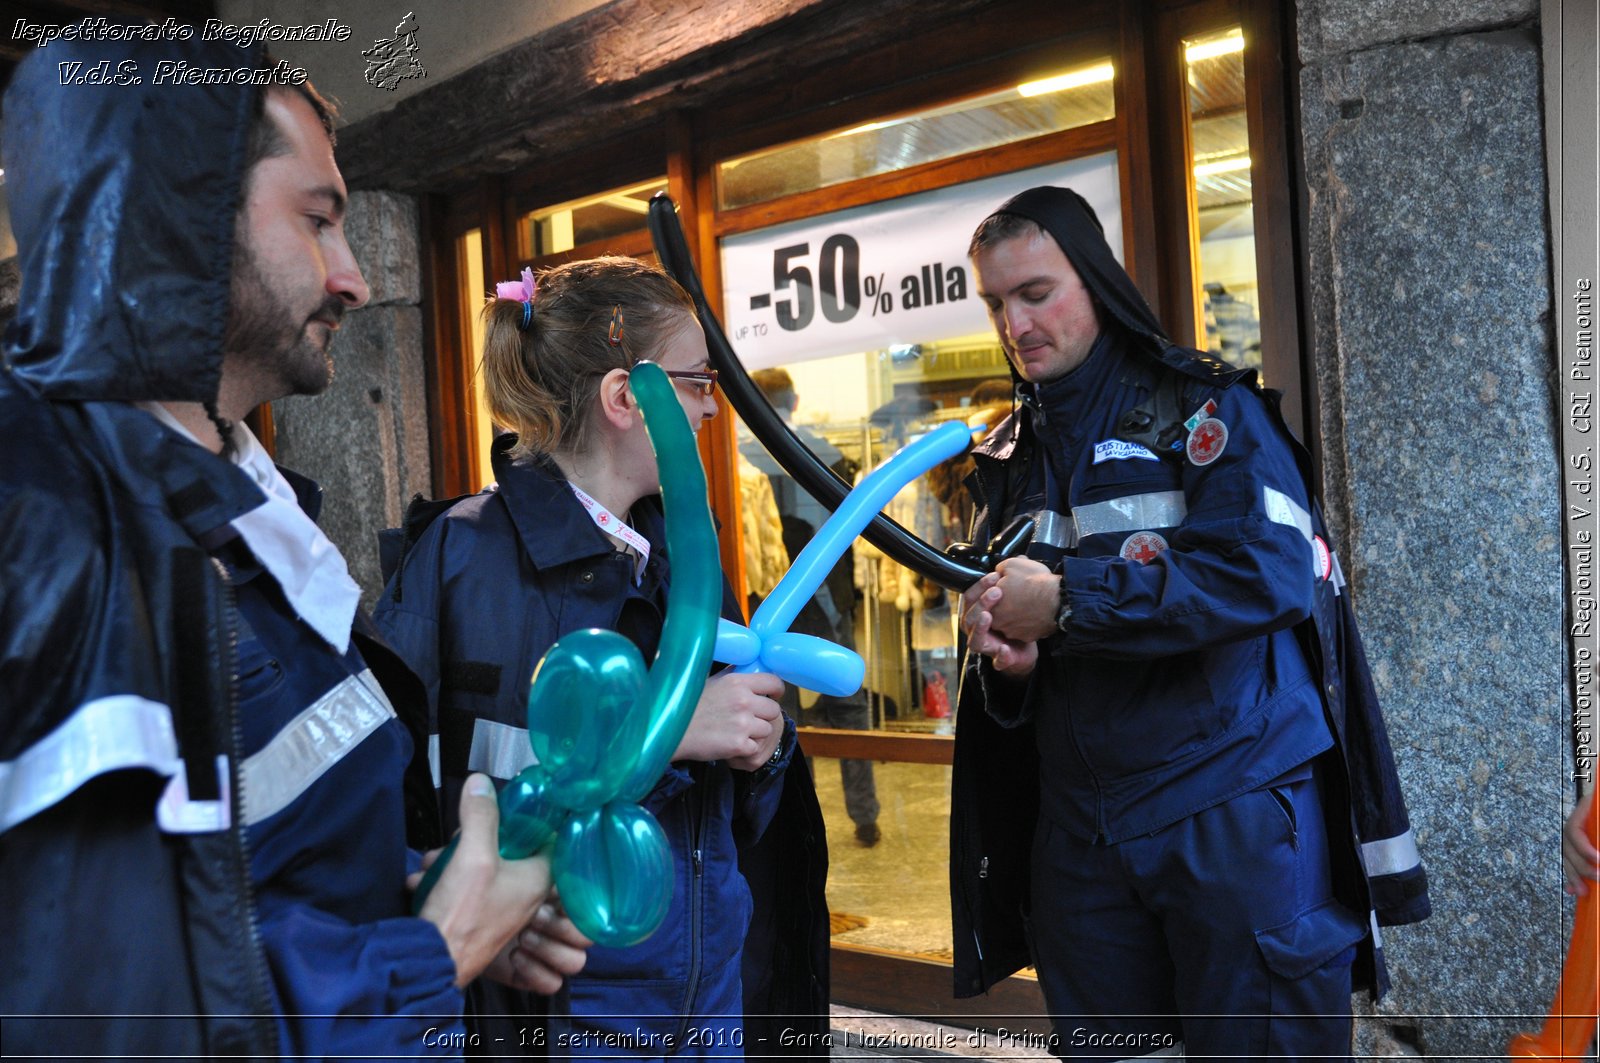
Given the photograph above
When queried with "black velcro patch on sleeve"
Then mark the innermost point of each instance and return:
(472, 677)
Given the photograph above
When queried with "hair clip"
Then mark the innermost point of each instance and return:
(521, 290)
(614, 334)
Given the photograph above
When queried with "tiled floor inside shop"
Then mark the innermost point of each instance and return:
(895, 895)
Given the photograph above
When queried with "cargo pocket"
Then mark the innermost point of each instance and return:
(1308, 960)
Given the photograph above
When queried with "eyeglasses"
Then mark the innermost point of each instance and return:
(702, 380)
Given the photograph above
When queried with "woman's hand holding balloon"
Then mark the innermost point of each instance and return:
(480, 901)
(737, 720)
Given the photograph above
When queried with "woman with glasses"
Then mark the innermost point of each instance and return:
(572, 536)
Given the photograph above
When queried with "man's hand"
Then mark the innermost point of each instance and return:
(1028, 598)
(1578, 853)
(1011, 657)
(481, 901)
(737, 720)
(547, 951)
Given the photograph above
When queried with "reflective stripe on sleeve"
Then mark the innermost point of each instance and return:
(499, 750)
(277, 774)
(1284, 510)
(1158, 509)
(1390, 856)
(105, 735)
(1054, 529)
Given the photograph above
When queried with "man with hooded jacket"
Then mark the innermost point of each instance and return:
(202, 822)
(1183, 854)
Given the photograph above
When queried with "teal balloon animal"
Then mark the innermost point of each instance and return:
(603, 729)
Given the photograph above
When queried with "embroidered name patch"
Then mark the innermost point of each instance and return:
(1118, 449)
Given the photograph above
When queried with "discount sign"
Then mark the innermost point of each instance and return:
(877, 276)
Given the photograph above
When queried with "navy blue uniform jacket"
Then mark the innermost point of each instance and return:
(1190, 669)
(479, 597)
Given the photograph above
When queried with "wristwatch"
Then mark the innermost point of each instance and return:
(777, 753)
(1063, 607)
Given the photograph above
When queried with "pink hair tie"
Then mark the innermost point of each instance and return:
(522, 291)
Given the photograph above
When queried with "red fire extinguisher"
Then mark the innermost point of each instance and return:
(935, 697)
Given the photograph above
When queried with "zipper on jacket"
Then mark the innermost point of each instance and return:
(697, 828)
(1094, 777)
(256, 961)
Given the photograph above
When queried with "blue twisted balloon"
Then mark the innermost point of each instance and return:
(805, 660)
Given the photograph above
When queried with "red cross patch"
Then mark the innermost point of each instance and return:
(604, 519)
(1206, 441)
(1142, 547)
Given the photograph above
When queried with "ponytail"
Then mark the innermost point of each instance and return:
(541, 381)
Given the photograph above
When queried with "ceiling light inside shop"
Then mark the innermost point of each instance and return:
(628, 203)
(1072, 79)
(1227, 44)
(852, 131)
(1224, 165)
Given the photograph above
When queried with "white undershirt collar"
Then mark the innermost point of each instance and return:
(308, 567)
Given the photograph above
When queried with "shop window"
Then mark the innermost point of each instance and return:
(1080, 96)
(1219, 142)
(580, 222)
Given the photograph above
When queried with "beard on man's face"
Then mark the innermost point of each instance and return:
(265, 333)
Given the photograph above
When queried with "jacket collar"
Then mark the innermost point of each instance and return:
(1001, 443)
(555, 530)
(201, 491)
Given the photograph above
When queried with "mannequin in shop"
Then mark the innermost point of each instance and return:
(571, 536)
(830, 614)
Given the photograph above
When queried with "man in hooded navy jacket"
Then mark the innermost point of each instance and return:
(202, 821)
(1191, 880)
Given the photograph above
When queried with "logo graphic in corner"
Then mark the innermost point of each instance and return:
(1207, 441)
(1142, 547)
(394, 59)
(1117, 449)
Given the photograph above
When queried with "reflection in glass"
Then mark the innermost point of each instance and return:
(1077, 97)
(551, 230)
(1220, 143)
(896, 894)
(855, 411)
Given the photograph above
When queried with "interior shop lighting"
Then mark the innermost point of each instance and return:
(1227, 44)
(1072, 79)
(869, 127)
(1227, 165)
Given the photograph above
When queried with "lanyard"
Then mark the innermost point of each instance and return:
(608, 523)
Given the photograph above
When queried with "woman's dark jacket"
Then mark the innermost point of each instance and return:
(483, 590)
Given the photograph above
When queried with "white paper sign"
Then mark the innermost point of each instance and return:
(889, 273)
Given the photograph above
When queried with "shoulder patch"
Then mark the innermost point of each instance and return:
(1206, 441)
(1119, 449)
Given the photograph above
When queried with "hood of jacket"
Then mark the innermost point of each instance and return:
(123, 199)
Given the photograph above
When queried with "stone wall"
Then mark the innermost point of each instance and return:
(1429, 295)
(366, 439)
